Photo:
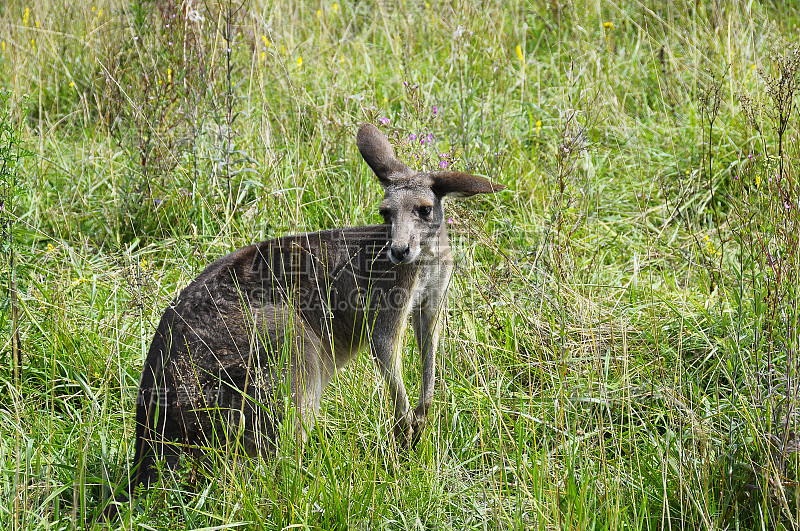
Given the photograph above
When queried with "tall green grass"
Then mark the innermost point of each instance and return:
(621, 346)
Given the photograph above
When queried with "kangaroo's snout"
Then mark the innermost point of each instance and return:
(401, 254)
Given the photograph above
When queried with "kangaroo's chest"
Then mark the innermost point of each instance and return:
(430, 284)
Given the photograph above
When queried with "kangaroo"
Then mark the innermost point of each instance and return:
(274, 321)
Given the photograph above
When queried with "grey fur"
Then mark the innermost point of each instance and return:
(281, 316)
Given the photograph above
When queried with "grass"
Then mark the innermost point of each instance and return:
(621, 346)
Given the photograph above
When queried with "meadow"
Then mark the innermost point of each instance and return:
(621, 345)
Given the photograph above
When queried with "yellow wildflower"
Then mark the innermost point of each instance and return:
(538, 127)
(319, 13)
(299, 62)
(3, 46)
(758, 181)
(263, 55)
(335, 8)
(711, 248)
(519, 53)
(169, 75)
(26, 16)
(608, 25)
(266, 40)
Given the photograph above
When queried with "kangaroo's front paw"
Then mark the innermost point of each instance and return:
(404, 430)
(407, 430)
(420, 421)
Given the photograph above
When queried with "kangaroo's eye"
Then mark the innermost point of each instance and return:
(425, 211)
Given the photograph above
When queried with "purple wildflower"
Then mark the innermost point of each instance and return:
(443, 164)
(412, 137)
(435, 109)
(384, 121)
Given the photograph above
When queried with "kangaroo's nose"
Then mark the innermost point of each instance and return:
(399, 253)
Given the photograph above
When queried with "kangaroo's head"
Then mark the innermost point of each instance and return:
(412, 202)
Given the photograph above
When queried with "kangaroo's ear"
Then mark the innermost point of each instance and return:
(457, 184)
(378, 153)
